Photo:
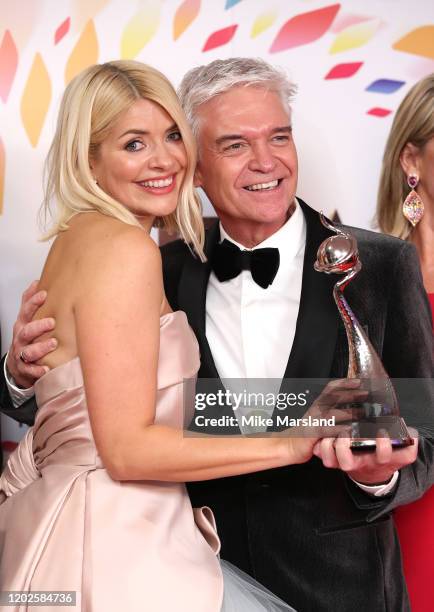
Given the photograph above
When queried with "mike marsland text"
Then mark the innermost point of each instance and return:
(262, 421)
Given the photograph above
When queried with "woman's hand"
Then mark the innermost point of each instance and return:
(328, 418)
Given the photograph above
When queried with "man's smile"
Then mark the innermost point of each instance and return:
(264, 186)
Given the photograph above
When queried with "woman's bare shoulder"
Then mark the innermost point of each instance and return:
(100, 241)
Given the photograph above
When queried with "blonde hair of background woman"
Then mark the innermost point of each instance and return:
(413, 123)
(92, 102)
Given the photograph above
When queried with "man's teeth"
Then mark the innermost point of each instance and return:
(160, 183)
(259, 186)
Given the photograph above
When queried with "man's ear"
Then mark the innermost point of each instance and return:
(197, 178)
(409, 159)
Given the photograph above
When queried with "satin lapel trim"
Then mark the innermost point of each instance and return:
(317, 322)
(192, 300)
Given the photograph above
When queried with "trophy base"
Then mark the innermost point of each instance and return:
(364, 433)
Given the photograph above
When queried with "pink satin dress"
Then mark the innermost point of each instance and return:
(66, 525)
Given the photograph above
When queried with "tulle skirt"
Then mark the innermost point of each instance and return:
(243, 594)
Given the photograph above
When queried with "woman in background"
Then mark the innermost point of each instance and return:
(405, 209)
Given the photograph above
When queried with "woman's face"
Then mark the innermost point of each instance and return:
(142, 161)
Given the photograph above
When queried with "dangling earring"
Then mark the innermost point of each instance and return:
(413, 207)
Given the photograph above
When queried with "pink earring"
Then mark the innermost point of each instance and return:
(413, 207)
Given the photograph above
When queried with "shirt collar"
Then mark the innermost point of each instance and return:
(288, 239)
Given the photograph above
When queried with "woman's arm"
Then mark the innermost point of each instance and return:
(117, 316)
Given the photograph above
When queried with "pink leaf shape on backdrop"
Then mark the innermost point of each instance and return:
(62, 30)
(377, 111)
(345, 20)
(8, 65)
(344, 71)
(305, 28)
(220, 37)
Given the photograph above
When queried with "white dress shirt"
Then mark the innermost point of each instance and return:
(250, 330)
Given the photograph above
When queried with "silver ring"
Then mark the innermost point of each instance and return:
(23, 359)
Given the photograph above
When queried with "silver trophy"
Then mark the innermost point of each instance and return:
(379, 413)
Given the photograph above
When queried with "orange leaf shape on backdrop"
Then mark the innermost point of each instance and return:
(419, 42)
(84, 54)
(36, 100)
(185, 15)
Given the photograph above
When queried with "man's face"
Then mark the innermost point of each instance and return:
(247, 158)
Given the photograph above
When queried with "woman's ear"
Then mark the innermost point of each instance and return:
(409, 159)
(92, 171)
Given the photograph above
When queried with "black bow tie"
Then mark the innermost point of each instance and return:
(228, 260)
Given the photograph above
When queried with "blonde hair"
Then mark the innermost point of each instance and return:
(413, 123)
(92, 102)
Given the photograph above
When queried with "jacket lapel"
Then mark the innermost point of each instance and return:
(192, 299)
(317, 322)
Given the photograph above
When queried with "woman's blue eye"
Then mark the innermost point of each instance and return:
(134, 145)
(175, 135)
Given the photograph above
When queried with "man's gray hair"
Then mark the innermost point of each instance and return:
(204, 82)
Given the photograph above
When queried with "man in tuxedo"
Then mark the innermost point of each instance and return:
(322, 539)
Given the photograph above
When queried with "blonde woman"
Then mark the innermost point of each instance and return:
(405, 206)
(406, 209)
(93, 500)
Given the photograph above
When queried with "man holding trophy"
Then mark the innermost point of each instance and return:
(322, 539)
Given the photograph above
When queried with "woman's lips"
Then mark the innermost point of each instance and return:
(158, 190)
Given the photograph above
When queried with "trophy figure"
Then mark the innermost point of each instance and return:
(379, 413)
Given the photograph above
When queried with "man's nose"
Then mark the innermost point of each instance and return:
(262, 159)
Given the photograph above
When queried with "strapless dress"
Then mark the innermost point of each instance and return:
(66, 525)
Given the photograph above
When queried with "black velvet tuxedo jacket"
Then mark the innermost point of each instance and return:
(306, 532)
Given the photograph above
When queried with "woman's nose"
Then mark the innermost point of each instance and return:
(161, 157)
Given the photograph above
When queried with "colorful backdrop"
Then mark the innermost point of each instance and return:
(353, 62)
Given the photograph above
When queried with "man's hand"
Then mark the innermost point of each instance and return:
(366, 468)
(26, 348)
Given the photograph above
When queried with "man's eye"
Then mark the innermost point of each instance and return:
(176, 136)
(234, 146)
(281, 138)
(134, 145)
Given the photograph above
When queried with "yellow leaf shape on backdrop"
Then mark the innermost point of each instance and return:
(355, 36)
(84, 54)
(2, 174)
(419, 42)
(36, 99)
(261, 23)
(139, 30)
